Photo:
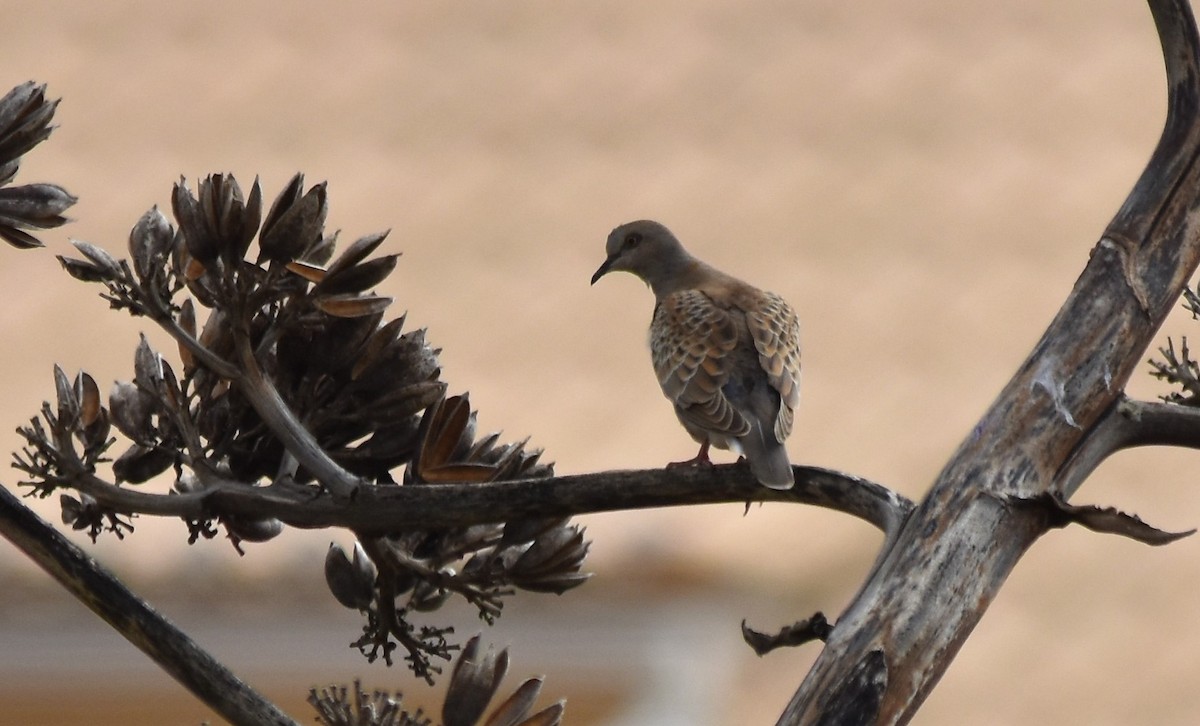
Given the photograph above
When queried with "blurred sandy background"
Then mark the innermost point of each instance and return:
(923, 181)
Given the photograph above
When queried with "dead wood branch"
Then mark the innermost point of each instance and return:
(951, 557)
(173, 650)
(384, 509)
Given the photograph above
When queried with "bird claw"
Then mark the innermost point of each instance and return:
(700, 459)
(690, 463)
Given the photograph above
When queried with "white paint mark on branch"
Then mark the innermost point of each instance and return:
(1044, 378)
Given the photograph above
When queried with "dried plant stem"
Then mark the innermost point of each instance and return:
(204, 356)
(299, 442)
(130, 616)
(1129, 424)
(378, 510)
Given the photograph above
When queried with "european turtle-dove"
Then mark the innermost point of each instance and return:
(726, 354)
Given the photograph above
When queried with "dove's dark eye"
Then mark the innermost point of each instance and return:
(632, 239)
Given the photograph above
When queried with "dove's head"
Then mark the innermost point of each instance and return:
(648, 250)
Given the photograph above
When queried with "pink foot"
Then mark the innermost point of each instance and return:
(700, 459)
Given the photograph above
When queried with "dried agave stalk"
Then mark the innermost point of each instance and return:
(288, 373)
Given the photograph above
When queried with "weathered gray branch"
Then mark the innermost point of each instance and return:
(951, 557)
(378, 510)
(1126, 425)
(174, 651)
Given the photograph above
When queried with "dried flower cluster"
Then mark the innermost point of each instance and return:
(473, 684)
(288, 378)
(481, 564)
(1178, 368)
(25, 117)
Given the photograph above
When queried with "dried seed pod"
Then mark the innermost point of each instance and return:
(551, 550)
(357, 279)
(427, 598)
(81, 270)
(147, 367)
(474, 681)
(520, 531)
(131, 410)
(295, 228)
(552, 562)
(387, 448)
(515, 709)
(405, 401)
(68, 404)
(251, 215)
(71, 508)
(358, 251)
(24, 119)
(449, 453)
(192, 272)
(95, 434)
(82, 513)
(555, 584)
(187, 322)
(409, 353)
(319, 252)
(364, 568)
(34, 205)
(150, 243)
(100, 258)
(169, 385)
(284, 201)
(88, 395)
(311, 273)
(351, 306)
(140, 464)
(217, 334)
(552, 715)
(201, 243)
(375, 345)
(22, 240)
(352, 583)
(253, 530)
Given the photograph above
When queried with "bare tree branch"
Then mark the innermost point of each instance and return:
(1126, 425)
(379, 510)
(95, 587)
(951, 557)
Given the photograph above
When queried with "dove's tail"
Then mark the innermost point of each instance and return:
(767, 458)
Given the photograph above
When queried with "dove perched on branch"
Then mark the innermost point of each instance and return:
(726, 354)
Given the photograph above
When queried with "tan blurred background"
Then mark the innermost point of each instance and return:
(923, 181)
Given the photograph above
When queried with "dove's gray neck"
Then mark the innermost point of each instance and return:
(680, 271)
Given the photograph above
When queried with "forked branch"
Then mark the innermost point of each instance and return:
(951, 557)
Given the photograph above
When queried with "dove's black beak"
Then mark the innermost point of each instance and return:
(604, 268)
